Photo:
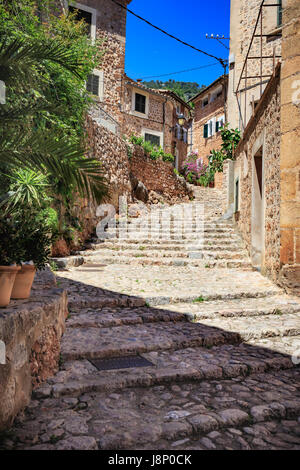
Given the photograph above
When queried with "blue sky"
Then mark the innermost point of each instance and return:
(149, 52)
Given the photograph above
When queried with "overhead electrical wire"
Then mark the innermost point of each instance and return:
(219, 59)
(180, 71)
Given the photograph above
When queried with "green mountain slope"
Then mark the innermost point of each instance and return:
(186, 90)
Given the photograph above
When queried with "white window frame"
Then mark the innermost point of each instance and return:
(156, 133)
(219, 120)
(133, 111)
(93, 11)
(211, 127)
(178, 107)
(100, 74)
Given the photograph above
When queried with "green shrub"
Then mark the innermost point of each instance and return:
(168, 157)
(154, 152)
(136, 140)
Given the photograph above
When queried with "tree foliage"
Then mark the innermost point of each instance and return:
(45, 59)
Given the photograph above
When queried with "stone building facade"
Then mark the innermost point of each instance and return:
(262, 183)
(256, 181)
(243, 18)
(209, 118)
(107, 23)
(290, 143)
(153, 114)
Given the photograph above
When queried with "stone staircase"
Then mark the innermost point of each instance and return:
(169, 237)
(221, 341)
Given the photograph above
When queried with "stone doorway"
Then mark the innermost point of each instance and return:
(257, 222)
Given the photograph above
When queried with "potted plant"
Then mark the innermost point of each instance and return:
(10, 254)
(35, 244)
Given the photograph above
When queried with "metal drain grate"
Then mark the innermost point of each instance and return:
(125, 362)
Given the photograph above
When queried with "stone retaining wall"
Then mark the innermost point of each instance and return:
(158, 176)
(111, 150)
(31, 331)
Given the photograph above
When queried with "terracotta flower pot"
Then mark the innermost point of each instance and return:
(7, 279)
(23, 282)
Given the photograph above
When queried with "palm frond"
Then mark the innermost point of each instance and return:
(18, 58)
(42, 151)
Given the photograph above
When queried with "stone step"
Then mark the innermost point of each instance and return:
(96, 300)
(258, 327)
(117, 316)
(195, 364)
(182, 225)
(82, 343)
(239, 307)
(135, 239)
(201, 254)
(285, 345)
(232, 245)
(144, 261)
(186, 415)
(143, 230)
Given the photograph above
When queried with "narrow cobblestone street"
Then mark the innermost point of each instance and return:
(219, 336)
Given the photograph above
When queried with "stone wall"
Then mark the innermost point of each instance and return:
(158, 176)
(31, 331)
(219, 177)
(262, 130)
(290, 143)
(111, 150)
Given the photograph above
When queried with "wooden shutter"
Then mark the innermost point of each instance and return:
(205, 131)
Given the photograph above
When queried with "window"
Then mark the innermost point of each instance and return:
(94, 83)
(219, 123)
(185, 136)
(82, 15)
(140, 103)
(209, 128)
(154, 139)
(178, 109)
(204, 102)
(87, 14)
(279, 13)
(236, 195)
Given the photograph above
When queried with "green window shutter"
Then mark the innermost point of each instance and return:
(205, 131)
(217, 126)
(279, 13)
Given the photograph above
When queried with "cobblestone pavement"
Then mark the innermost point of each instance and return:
(222, 342)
